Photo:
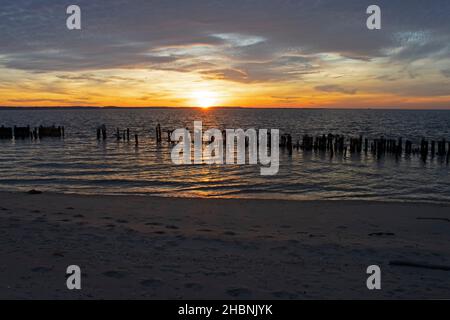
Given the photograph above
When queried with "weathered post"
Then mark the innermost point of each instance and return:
(104, 132)
(159, 134)
(433, 148)
(289, 144)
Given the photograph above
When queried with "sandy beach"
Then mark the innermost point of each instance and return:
(131, 247)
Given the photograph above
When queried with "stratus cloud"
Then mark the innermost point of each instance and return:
(335, 88)
(118, 34)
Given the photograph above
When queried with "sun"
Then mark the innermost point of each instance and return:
(205, 99)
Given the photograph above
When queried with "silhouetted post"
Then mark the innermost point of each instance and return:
(289, 144)
(424, 149)
(448, 153)
(6, 133)
(136, 140)
(433, 148)
(118, 134)
(98, 133)
(400, 146)
(159, 134)
(128, 134)
(408, 147)
(104, 132)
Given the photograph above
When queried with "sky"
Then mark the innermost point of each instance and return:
(249, 53)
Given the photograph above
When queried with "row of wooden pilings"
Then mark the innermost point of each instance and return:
(332, 143)
(31, 133)
(355, 145)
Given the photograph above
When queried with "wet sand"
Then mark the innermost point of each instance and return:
(169, 248)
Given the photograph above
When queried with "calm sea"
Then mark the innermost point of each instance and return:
(81, 164)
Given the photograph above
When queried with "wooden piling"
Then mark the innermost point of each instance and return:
(159, 134)
(6, 133)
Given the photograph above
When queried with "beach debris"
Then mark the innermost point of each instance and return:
(33, 192)
(419, 265)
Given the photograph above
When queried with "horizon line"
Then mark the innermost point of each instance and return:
(225, 107)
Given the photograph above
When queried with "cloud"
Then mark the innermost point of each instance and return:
(246, 42)
(117, 34)
(226, 74)
(446, 73)
(62, 101)
(335, 88)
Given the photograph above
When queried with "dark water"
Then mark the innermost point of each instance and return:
(81, 164)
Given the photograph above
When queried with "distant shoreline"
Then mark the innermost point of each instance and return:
(211, 108)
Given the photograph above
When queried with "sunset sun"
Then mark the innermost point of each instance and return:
(204, 99)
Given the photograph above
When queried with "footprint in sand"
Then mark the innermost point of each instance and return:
(239, 293)
(35, 211)
(284, 295)
(3, 209)
(121, 221)
(229, 233)
(115, 274)
(153, 224)
(78, 216)
(193, 286)
(151, 283)
(41, 269)
(70, 208)
(204, 230)
(172, 227)
(58, 254)
(381, 234)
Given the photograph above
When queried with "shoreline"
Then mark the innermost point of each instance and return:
(147, 247)
(225, 198)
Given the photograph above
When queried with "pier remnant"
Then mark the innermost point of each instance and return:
(6, 133)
